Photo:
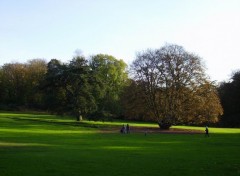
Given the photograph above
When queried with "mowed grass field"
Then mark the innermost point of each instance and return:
(48, 145)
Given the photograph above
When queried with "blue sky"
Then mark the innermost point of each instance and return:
(56, 28)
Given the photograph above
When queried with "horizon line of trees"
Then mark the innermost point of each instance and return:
(80, 87)
(166, 85)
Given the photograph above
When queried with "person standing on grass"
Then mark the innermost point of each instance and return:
(128, 129)
(206, 132)
(123, 129)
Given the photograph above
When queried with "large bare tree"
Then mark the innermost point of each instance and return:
(171, 79)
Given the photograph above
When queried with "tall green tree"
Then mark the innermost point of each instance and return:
(70, 87)
(170, 78)
(79, 87)
(112, 75)
(55, 94)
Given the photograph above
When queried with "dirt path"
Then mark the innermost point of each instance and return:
(154, 130)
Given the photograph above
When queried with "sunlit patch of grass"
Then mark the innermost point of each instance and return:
(142, 147)
(122, 148)
(14, 144)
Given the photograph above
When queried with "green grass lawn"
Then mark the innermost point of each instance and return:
(38, 144)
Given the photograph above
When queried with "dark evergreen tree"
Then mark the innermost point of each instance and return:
(230, 99)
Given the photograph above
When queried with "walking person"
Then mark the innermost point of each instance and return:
(125, 129)
(128, 128)
(206, 132)
(122, 129)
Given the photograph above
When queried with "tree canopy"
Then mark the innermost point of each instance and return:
(166, 85)
(112, 76)
(19, 83)
(174, 84)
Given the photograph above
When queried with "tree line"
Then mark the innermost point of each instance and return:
(166, 85)
(81, 87)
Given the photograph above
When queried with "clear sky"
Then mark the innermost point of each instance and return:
(56, 28)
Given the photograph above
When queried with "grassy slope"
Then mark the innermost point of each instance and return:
(50, 145)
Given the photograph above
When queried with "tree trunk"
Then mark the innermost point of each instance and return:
(79, 116)
(164, 125)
